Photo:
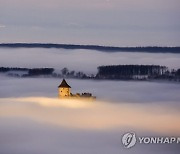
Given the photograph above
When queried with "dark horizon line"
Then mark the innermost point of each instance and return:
(155, 49)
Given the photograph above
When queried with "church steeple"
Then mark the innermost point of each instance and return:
(64, 89)
(64, 84)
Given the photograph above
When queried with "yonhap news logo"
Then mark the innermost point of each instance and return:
(130, 139)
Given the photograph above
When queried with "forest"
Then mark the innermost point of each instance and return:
(112, 72)
(14, 71)
(131, 71)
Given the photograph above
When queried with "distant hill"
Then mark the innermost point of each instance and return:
(151, 49)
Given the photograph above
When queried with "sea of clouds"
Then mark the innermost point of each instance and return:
(34, 120)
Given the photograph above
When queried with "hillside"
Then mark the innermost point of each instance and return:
(151, 49)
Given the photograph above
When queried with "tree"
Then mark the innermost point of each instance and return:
(64, 71)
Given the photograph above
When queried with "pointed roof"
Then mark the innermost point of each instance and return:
(64, 84)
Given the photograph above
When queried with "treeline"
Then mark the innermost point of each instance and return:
(153, 49)
(136, 72)
(27, 71)
(120, 72)
(66, 73)
(40, 71)
(6, 69)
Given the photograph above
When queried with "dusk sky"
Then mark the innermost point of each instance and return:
(103, 22)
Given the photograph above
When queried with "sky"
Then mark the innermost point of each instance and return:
(102, 22)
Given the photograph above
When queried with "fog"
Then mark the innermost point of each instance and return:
(81, 60)
(34, 120)
(125, 91)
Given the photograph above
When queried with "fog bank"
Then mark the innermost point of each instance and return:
(34, 120)
(82, 60)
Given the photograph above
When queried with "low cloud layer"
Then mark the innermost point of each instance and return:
(34, 120)
(74, 114)
(116, 91)
(81, 60)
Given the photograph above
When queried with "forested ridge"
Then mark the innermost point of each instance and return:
(112, 72)
(136, 71)
(152, 49)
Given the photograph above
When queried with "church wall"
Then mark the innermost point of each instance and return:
(64, 92)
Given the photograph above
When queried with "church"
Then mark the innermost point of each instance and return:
(64, 91)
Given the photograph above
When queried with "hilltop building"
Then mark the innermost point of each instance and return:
(64, 91)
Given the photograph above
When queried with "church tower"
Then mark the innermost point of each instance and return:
(64, 90)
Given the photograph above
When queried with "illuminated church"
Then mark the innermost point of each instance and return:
(64, 91)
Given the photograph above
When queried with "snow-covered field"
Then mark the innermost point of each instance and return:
(34, 121)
